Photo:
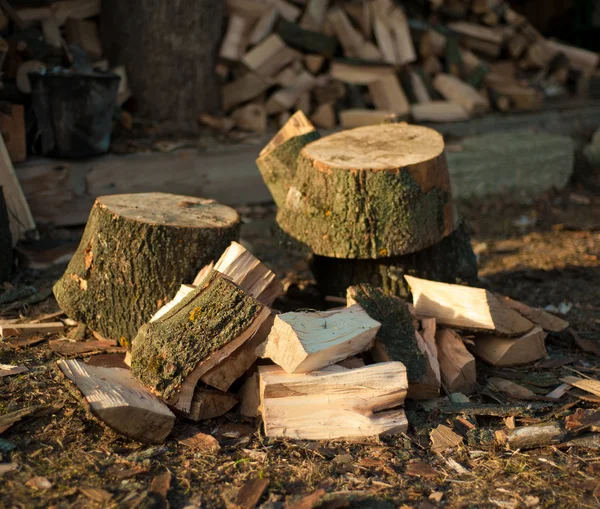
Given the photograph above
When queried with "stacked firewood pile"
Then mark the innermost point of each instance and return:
(362, 61)
(200, 343)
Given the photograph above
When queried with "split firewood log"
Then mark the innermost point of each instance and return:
(397, 339)
(210, 324)
(370, 192)
(452, 261)
(301, 342)
(457, 365)
(120, 401)
(333, 402)
(135, 252)
(503, 351)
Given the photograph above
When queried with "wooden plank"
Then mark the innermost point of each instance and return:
(302, 342)
(387, 94)
(502, 351)
(12, 127)
(457, 365)
(270, 56)
(120, 401)
(362, 117)
(19, 214)
(20, 329)
(334, 402)
(465, 307)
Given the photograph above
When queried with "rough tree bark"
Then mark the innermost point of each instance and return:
(370, 192)
(135, 252)
(450, 261)
(169, 49)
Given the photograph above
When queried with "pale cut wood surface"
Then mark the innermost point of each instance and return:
(181, 293)
(249, 395)
(302, 342)
(19, 214)
(439, 111)
(297, 125)
(588, 385)
(502, 351)
(387, 95)
(270, 56)
(465, 307)
(115, 397)
(358, 117)
(457, 365)
(376, 148)
(455, 90)
(334, 402)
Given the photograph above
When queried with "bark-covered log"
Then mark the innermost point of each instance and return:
(6, 245)
(169, 50)
(135, 252)
(450, 261)
(278, 160)
(370, 192)
(170, 355)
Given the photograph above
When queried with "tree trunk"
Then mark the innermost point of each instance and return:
(136, 251)
(370, 192)
(450, 261)
(169, 50)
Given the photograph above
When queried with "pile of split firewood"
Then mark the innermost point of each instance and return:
(358, 62)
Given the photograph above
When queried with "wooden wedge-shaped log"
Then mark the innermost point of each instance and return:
(135, 252)
(278, 159)
(369, 192)
(465, 307)
(457, 365)
(545, 320)
(209, 404)
(170, 355)
(249, 273)
(302, 342)
(334, 402)
(120, 401)
(397, 339)
(503, 351)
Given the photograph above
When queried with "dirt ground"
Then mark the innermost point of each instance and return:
(545, 252)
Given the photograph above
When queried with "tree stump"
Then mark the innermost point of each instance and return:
(370, 192)
(136, 251)
(450, 261)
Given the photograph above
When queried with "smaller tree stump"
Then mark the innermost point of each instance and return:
(135, 252)
(371, 192)
(450, 261)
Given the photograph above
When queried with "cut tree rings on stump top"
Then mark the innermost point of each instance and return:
(135, 252)
(371, 192)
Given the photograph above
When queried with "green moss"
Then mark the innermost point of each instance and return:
(165, 352)
(397, 332)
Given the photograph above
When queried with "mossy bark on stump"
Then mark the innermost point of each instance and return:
(205, 326)
(277, 161)
(450, 261)
(370, 192)
(136, 251)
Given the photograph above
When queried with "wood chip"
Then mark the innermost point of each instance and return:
(249, 494)
(591, 386)
(7, 467)
(39, 483)
(512, 389)
(26, 341)
(559, 392)
(18, 329)
(97, 495)
(309, 501)
(420, 469)
(199, 441)
(443, 438)
(8, 370)
(108, 360)
(160, 486)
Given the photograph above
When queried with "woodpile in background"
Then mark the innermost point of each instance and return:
(360, 62)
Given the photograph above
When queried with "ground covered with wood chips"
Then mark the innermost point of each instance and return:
(544, 253)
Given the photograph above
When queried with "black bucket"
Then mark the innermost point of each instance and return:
(74, 111)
